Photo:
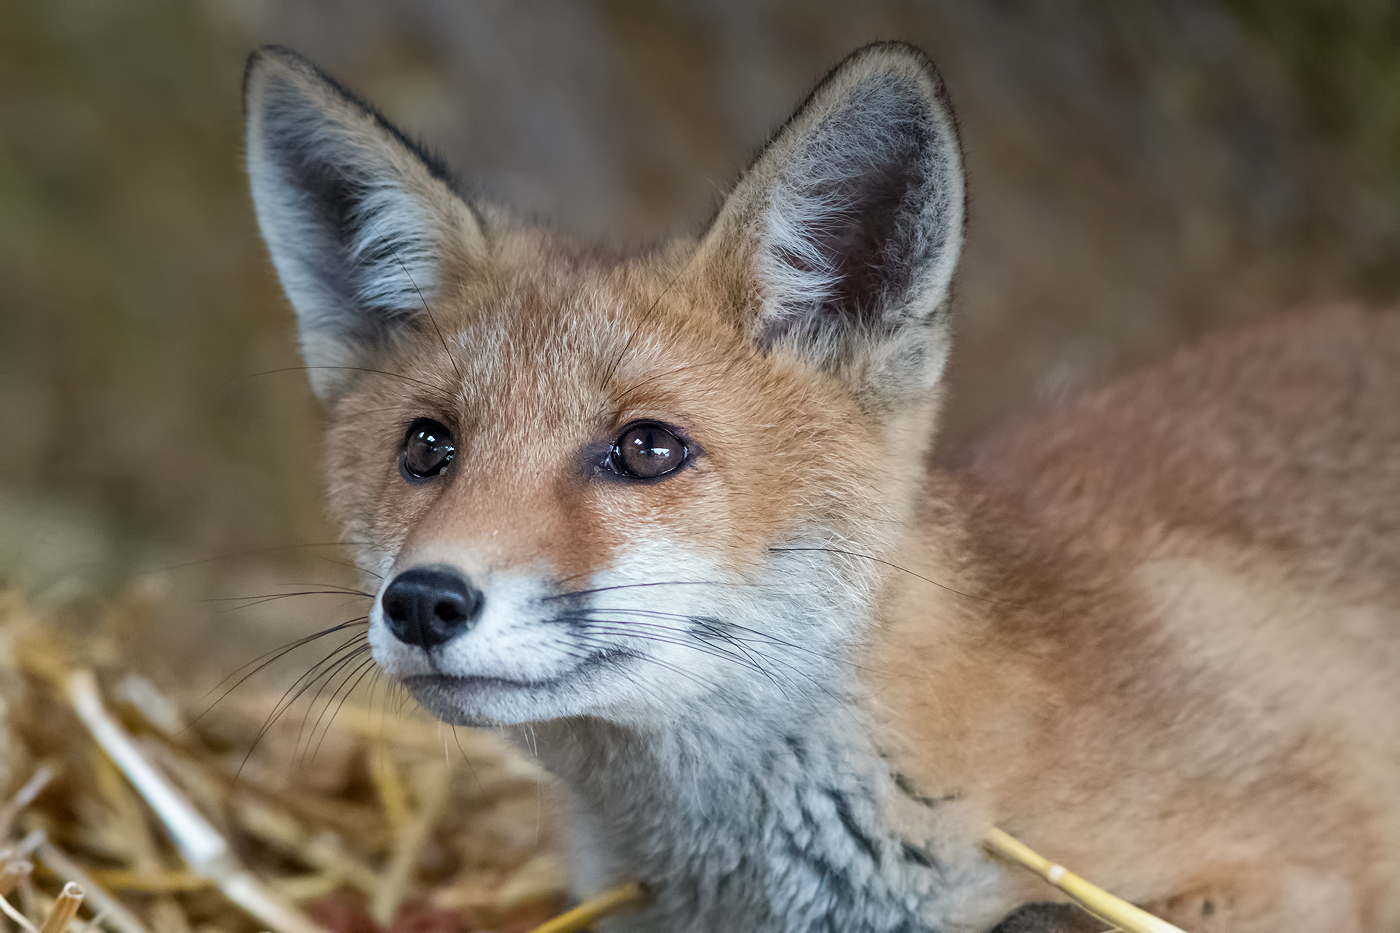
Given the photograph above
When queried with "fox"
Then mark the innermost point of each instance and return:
(677, 513)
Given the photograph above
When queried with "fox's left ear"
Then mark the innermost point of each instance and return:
(840, 243)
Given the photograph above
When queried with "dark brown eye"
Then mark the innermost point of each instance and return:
(427, 448)
(647, 450)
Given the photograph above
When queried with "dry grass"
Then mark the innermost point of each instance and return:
(152, 820)
(353, 819)
(1113, 910)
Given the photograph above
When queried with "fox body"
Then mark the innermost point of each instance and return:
(676, 512)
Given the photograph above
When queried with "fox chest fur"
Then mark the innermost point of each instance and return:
(676, 513)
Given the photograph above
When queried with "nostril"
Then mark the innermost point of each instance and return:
(394, 605)
(428, 606)
(450, 612)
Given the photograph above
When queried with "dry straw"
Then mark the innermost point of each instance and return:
(203, 847)
(1100, 903)
(65, 908)
(1122, 915)
(614, 900)
(509, 876)
(355, 819)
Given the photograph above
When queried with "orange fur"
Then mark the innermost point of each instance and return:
(1154, 632)
(1186, 685)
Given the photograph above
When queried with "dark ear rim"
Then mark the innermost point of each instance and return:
(259, 58)
(823, 85)
(735, 232)
(833, 73)
(345, 281)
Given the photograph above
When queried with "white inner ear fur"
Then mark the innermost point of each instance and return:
(392, 261)
(353, 277)
(856, 135)
(872, 162)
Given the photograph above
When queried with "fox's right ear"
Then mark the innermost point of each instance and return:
(357, 219)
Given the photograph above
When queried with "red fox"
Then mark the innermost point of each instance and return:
(676, 511)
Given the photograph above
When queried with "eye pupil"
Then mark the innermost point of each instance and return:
(647, 451)
(427, 449)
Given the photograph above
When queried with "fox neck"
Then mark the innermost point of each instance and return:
(780, 821)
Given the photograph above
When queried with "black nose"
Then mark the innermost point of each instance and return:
(427, 606)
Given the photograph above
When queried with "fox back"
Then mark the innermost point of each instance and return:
(675, 510)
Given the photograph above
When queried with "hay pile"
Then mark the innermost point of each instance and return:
(124, 811)
(354, 819)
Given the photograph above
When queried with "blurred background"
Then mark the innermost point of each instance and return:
(1140, 173)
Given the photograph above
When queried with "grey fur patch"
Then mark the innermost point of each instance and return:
(356, 217)
(853, 220)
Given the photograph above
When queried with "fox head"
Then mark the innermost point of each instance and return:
(620, 486)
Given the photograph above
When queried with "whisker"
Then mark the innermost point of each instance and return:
(270, 657)
(624, 628)
(324, 587)
(253, 552)
(351, 565)
(744, 662)
(893, 566)
(341, 663)
(363, 670)
(613, 627)
(688, 675)
(657, 613)
(628, 586)
(301, 756)
(317, 669)
(328, 666)
(709, 630)
(461, 379)
(344, 417)
(248, 602)
(457, 740)
(746, 658)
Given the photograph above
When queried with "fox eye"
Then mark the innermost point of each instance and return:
(427, 449)
(647, 450)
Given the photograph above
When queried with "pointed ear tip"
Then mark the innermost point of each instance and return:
(891, 55)
(274, 54)
(268, 61)
(893, 50)
(261, 62)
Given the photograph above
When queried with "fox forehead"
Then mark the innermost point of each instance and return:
(536, 373)
(512, 352)
(797, 342)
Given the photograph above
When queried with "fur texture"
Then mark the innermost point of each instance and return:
(1156, 633)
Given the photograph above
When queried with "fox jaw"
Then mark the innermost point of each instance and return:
(634, 488)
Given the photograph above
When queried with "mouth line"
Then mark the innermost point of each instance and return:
(443, 681)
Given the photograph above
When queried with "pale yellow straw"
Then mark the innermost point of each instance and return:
(1094, 899)
(595, 908)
